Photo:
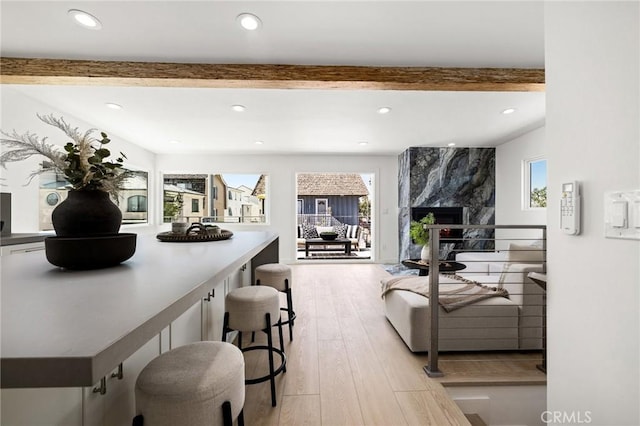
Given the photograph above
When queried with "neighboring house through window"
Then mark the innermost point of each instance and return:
(137, 203)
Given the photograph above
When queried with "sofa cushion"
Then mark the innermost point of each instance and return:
(518, 253)
(341, 230)
(352, 231)
(309, 231)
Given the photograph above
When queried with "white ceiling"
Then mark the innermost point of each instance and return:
(377, 33)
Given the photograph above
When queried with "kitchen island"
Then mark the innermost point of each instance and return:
(74, 329)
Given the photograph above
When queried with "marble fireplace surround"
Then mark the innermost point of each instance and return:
(447, 177)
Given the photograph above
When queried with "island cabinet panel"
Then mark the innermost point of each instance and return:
(187, 328)
(119, 401)
(213, 305)
(42, 406)
(213, 312)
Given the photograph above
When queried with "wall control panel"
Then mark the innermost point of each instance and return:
(622, 214)
(570, 208)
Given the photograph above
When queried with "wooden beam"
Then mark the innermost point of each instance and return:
(164, 74)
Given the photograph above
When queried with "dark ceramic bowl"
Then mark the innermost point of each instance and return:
(90, 252)
(328, 236)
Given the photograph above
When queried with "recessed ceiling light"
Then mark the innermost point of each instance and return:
(84, 19)
(174, 141)
(451, 144)
(259, 142)
(238, 108)
(248, 21)
(509, 111)
(111, 105)
(363, 143)
(384, 110)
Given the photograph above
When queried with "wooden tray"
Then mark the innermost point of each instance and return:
(194, 237)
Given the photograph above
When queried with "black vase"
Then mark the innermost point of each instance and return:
(86, 213)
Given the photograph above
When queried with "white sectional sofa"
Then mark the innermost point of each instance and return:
(497, 323)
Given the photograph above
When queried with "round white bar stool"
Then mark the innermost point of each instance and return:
(278, 276)
(197, 384)
(256, 308)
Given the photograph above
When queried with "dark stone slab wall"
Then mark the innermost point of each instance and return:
(447, 177)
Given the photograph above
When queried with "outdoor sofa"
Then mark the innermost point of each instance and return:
(352, 232)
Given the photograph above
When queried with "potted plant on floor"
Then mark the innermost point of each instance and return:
(419, 232)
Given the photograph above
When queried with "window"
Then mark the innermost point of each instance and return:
(300, 207)
(137, 203)
(321, 206)
(535, 184)
(54, 188)
(215, 197)
(52, 199)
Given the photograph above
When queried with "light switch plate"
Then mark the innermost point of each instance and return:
(622, 214)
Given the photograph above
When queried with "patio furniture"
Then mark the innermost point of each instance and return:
(328, 245)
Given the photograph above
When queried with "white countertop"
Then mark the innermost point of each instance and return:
(70, 328)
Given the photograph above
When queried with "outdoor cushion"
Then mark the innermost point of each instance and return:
(309, 231)
(341, 230)
(352, 231)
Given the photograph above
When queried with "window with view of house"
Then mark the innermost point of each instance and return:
(535, 183)
(218, 197)
(137, 203)
(132, 200)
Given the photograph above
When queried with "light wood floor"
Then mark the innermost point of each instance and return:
(346, 364)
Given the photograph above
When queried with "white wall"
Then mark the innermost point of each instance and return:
(509, 183)
(281, 202)
(592, 56)
(19, 112)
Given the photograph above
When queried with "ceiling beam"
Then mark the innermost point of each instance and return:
(263, 76)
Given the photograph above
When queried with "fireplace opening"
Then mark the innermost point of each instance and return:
(444, 216)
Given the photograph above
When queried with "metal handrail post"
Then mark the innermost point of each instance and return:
(434, 271)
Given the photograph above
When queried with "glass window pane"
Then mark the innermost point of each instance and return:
(215, 197)
(54, 189)
(537, 184)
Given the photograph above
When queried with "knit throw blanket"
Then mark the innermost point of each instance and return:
(455, 292)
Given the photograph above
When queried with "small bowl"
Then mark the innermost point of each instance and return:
(93, 252)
